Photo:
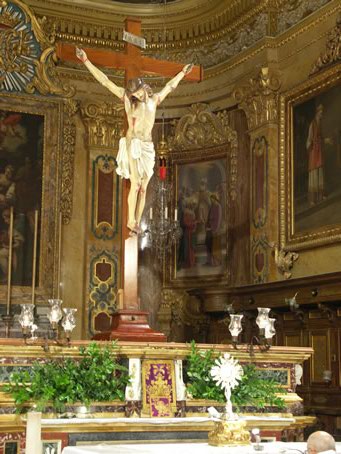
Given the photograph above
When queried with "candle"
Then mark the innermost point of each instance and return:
(166, 213)
(59, 254)
(33, 433)
(151, 213)
(176, 214)
(163, 173)
(10, 252)
(34, 263)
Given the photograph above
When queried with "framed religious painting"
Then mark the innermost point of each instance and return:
(201, 200)
(310, 162)
(30, 149)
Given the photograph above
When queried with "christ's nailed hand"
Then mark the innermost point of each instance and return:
(187, 68)
(80, 53)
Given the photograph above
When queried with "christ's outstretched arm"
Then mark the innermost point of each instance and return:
(173, 83)
(99, 75)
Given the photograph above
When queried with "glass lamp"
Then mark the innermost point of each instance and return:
(26, 318)
(69, 321)
(235, 326)
(55, 314)
(270, 330)
(262, 319)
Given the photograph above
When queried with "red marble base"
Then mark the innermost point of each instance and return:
(131, 325)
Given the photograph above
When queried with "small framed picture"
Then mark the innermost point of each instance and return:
(51, 446)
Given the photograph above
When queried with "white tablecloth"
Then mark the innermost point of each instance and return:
(186, 448)
(163, 421)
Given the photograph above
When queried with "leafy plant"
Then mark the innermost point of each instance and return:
(252, 390)
(96, 376)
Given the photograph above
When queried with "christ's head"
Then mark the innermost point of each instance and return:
(138, 91)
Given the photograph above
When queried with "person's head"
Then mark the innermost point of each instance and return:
(320, 441)
(138, 90)
(6, 215)
(9, 171)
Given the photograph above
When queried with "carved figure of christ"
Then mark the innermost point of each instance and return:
(140, 107)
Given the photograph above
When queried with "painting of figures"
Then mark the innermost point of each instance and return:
(317, 161)
(201, 203)
(21, 158)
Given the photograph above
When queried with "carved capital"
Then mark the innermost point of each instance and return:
(104, 124)
(259, 98)
(332, 53)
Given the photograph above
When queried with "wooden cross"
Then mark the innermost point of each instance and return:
(134, 65)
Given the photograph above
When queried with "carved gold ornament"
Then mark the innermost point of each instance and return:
(332, 54)
(26, 54)
(69, 139)
(284, 260)
(259, 98)
(229, 433)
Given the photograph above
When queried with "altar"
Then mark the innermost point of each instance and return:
(134, 423)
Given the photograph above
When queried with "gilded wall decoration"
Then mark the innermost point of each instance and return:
(260, 261)
(259, 98)
(199, 130)
(332, 54)
(102, 288)
(105, 197)
(104, 124)
(30, 165)
(26, 53)
(310, 162)
(259, 181)
(69, 141)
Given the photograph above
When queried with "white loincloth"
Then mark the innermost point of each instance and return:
(142, 152)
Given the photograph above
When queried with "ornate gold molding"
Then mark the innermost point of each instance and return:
(69, 140)
(259, 98)
(27, 54)
(332, 54)
(200, 129)
(104, 124)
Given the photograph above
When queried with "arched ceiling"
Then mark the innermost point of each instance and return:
(207, 32)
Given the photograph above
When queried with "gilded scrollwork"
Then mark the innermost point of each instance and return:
(67, 164)
(332, 54)
(259, 98)
(26, 53)
(200, 129)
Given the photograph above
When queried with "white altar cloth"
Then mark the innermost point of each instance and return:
(163, 421)
(187, 448)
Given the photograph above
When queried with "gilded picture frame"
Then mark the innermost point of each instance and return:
(310, 162)
(50, 111)
(201, 197)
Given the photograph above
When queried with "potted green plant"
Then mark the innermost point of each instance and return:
(54, 384)
(251, 391)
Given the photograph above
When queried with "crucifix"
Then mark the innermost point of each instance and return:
(129, 323)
